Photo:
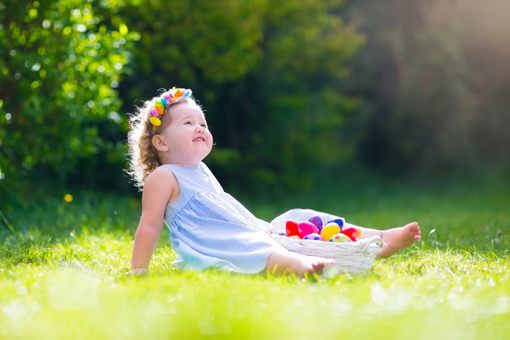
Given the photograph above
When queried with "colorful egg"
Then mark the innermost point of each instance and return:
(314, 236)
(353, 233)
(317, 221)
(329, 230)
(338, 221)
(306, 228)
(291, 227)
(339, 238)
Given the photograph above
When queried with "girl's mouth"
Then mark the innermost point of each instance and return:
(199, 139)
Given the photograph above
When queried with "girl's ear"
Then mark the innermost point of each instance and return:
(159, 143)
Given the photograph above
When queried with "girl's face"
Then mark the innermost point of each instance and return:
(187, 139)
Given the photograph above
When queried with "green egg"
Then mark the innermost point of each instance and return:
(339, 238)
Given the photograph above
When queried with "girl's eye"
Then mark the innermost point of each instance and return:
(187, 123)
(204, 126)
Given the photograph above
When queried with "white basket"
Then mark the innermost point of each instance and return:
(350, 257)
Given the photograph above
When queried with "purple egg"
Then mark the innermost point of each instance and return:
(317, 221)
(313, 236)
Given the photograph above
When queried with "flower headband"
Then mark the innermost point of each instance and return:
(165, 100)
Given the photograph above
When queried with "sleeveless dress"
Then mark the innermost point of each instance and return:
(209, 228)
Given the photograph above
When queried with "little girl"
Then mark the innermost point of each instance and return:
(168, 140)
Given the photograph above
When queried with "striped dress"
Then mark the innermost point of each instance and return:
(209, 228)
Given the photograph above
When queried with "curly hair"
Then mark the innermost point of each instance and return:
(143, 156)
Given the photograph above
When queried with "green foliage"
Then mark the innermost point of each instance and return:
(270, 75)
(435, 102)
(301, 119)
(425, 86)
(60, 66)
(291, 89)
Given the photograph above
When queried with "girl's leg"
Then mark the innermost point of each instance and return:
(394, 239)
(285, 262)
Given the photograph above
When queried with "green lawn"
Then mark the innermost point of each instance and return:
(63, 273)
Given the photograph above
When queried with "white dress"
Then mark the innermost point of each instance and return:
(210, 228)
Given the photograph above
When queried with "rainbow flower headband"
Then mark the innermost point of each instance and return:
(165, 100)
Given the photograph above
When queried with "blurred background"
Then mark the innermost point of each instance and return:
(296, 92)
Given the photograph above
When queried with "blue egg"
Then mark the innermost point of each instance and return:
(338, 221)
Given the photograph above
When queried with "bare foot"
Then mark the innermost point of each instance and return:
(398, 238)
(285, 262)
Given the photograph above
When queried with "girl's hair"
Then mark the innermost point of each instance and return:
(143, 156)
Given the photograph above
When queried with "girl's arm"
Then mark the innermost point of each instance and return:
(160, 187)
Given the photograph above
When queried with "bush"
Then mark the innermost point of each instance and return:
(60, 69)
(270, 75)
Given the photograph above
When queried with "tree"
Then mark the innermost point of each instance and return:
(60, 66)
(271, 76)
(416, 84)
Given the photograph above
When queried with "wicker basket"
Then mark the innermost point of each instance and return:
(350, 257)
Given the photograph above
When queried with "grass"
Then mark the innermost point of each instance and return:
(63, 273)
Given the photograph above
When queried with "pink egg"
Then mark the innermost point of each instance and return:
(306, 228)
